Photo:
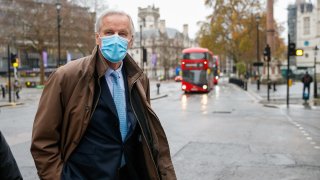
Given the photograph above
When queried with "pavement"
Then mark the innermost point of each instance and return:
(223, 147)
(277, 97)
(27, 94)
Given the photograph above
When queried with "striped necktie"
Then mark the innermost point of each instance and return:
(119, 100)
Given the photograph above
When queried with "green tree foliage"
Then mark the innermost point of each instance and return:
(232, 30)
(241, 68)
(32, 26)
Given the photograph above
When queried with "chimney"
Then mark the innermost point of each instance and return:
(162, 27)
(298, 2)
(185, 30)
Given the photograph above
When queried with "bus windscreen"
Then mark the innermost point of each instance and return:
(197, 77)
(194, 56)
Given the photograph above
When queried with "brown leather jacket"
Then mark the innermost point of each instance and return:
(64, 113)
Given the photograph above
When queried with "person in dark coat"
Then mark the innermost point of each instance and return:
(306, 80)
(8, 167)
(3, 90)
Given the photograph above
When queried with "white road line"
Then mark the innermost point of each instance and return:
(303, 131)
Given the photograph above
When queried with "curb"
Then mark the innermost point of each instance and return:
(270, 105)
(21, 103)
(159, 97)
(11, 104)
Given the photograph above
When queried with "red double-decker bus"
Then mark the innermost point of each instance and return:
(197, 70)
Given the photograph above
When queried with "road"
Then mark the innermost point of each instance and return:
(225, 134)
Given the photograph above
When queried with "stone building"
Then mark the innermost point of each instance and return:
(308, 33)
(304, 28)
(163, 44)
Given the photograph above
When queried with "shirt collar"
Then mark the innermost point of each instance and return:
(118, 71)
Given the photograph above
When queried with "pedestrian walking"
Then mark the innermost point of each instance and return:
(306, 80)
(3, 90)
(8, 166)
(94, 119)
(17, 88)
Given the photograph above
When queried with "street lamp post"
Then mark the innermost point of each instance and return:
(58, 7)
(141, 49)
(315, 93)
(267, 54)
(258, 55)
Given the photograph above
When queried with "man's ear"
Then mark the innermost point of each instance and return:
(97, 39)
(130, 44)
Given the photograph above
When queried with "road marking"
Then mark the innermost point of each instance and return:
(303, 131)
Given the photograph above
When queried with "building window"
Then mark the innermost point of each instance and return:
(306, 25)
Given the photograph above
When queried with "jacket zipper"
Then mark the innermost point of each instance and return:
(154, 164)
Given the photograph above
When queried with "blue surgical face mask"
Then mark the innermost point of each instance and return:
(114, 48)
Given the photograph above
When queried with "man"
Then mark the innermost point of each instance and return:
(94, 119)
(306, 80)
(8, 167)
(3, 91)
(17, 88)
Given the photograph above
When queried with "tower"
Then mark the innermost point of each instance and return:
(270, 25)
(148, 17)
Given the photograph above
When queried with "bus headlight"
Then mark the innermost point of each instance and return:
(184, 87)
(204, 86)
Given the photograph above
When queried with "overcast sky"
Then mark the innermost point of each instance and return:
(189, 12)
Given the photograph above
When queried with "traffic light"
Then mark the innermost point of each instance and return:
(14, 60)
(144, 54)
(292, 51)
(267, 52)
(299, 52)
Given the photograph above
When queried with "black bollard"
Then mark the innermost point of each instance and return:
(274, 87)
(158, 88)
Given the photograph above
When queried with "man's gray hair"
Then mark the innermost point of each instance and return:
(113, 12)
